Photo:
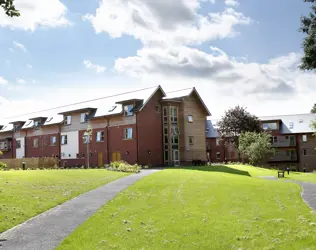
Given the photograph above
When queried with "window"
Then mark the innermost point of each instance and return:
(64, 139)
(158, 108)
(191, 140)
(270, 126)
(291, 125)
(128, 133)
(190, 118)
(53, 140)
(304, 151)
(83, 118)
(18, 144)
(100, 136)
(128, 110)
(286, 137)
(175, 130)
(35, 143)
(67, 120)
(217, 141)
(174, 114)
(304, 138)
(175, 139)
(275, 139)
(218, 155)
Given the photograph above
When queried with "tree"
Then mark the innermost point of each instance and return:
(235, 122)
(9, 8)
(254, 147)
(313, 126)
(308, 27)
(313, 110)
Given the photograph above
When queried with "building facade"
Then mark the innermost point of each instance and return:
(148, 127)
(291, 137)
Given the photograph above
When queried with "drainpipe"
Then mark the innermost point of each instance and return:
(107, 140)
(137, 137)
(59, 145)
(25, 144)
(12, 148)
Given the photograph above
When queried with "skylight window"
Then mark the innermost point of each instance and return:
(291, 125)
(112, 109)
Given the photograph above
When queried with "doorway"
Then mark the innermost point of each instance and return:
(100, 159)
(116, 156)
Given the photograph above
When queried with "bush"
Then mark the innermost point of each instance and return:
(123, 166)
(3, 166)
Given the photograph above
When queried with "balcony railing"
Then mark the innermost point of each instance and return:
(283, 142)
(292, 157)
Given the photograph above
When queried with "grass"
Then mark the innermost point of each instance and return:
(256, 172)
(218, 207)
(24, 194)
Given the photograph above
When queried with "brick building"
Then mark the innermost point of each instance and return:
(291, 136)
(146, 127)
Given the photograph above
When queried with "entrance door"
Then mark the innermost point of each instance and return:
(116, 156)
(176, 157)
(100, 159)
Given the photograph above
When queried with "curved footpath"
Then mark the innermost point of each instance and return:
(308, 194)
(47, 230)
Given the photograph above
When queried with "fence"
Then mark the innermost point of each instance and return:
(31, 163)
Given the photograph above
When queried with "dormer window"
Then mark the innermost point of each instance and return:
(128, 110)
(270, 125)
(83, 118)
(67, 120)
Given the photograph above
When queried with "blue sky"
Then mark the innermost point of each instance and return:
(235, 52)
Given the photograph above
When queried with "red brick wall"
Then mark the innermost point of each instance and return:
(6, 155)
(149, 123)
(117, 143)
(229, 152)
(94, 147)
(44, 148)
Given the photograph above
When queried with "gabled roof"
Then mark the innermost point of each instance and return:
(212, 129)
(178, 94)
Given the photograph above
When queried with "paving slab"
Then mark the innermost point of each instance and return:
(47, 230)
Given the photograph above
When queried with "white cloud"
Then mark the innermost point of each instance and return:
(19, 46)
(30, 66)
(21, 81)
(172, 22)
(89, 65)
(231, 3)
(36, 13)
(3, 81)
(11, 49)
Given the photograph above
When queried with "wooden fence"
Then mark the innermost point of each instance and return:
(31, 163)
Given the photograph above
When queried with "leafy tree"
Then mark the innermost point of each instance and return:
(235, 122)
(254, 147)
(313, 110)
(0, 153)
(308, 27)
(9, 8)
(313, 126)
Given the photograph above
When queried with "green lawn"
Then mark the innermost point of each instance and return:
(256, 172)
(24, 194)
(211, 208)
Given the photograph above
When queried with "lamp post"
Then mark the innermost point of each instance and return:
(87, 138)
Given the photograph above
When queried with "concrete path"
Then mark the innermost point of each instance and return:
(47, 230)
(308, 194)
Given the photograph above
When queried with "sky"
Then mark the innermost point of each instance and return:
(235, 52)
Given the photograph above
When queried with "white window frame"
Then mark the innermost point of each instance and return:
(99, 136)
(127, 110)
(128, 133)
(217, 141)
(83, 117)
(53, 140)
(34, 140)
(68, 120)
(64, 140)
(190, 118)
(304, 138)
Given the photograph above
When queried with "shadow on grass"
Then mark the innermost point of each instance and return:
(216, 168)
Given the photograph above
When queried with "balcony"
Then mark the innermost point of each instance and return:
(283, 157)
(283, 141)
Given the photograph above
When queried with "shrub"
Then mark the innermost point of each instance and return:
(3, 166)
(123, 166)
